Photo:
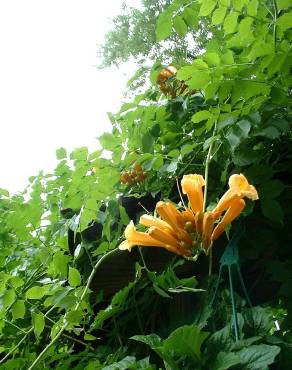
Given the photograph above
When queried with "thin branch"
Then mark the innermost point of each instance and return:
(275, 20)
(208, 159)
(180, 194)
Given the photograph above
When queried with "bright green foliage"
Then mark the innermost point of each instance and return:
(38, 323)
(74, 277)
(58, 285)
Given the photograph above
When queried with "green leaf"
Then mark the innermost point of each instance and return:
(258, 321)
(230, 23)
(271, 189)
(220, 340)
(16, 282)
(152, 340)
(186, 341)
(244, 127)
(109, 141)
(272, 210)
(285, 21)
(75, 317)
(160, 291)
(248, 89)
(199, 80)
(36, 292)
(61, 153)
(124, 216)
(193, 75)
(190, 17)
(224, 361)
(259, 173)
(79, 154)
(211, 58)
(238, 132)
(118, 303)
(38, 322)
(8, 297)
(180, 26)
(199, 64)
(59, 264)
(219, 15)
(281, 124)
(147, 143)
(227, 58)
(233, 140)
(252, 8)
(172, 167)
(238, 4)
(163, 26)
(201, 116)
(283, 4)
(74, 277)
(257, 357)
(126, 363)
(4, 192)
(207, 7)
(89, 337)
(270, 132)
(18, 309)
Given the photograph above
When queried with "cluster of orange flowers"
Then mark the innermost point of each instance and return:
(162, 81)
(133, 177)
(189, 231)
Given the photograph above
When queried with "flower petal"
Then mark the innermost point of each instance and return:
(239, 185)
(208, 223)
(224, 203)
(251, 193)
(135, 237)
(170, 214)
(148, 220)
(163, 236)
(188, 215)
(192, 186)
(238, 182)
(233, 211)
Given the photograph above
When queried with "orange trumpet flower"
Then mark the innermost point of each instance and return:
(235, 208)
(208, 223)
(238, 188)
(192, 185)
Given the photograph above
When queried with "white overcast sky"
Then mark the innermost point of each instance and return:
(51, 93)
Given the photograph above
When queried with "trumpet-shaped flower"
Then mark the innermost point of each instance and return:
(238, 189)
(192, 186)
(134, 237)
(234, 210)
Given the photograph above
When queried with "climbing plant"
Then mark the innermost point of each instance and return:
(70, 298)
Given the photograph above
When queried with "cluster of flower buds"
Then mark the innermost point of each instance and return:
(134, 176)
(163, 81)
(189, 231)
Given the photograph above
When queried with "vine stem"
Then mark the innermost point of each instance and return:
(275, 19)
(66, 323)
(208, 160)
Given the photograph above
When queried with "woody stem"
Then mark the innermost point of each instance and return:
(208, 160)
